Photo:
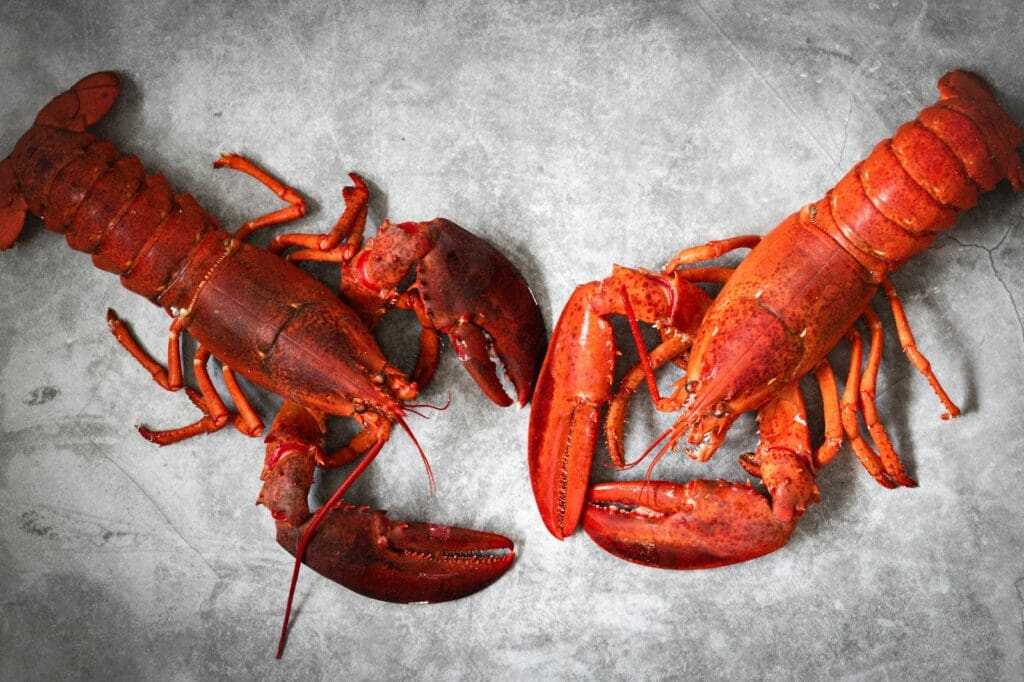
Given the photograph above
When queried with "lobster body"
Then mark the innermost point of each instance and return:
(282, 329)
(798, 293)
(275, 324)
(802, 288)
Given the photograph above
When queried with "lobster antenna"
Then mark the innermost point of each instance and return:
(415, 412)
(321, 513)
(423, 455)
(643, 455)
(413, 407)
(641, 349)
(428, 406)
(657, 458)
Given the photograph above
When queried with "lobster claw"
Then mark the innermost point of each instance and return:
(360, 548)
(363, 550)
(698, 524)
(464, 287)
(705, 524)
(575, 382)
(474, 294)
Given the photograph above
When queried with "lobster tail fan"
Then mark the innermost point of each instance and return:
(85, 103)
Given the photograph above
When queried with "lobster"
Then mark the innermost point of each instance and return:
(279, 327)
(799, 291)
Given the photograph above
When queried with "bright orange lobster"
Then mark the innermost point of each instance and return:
(799, 291)
(282, 329)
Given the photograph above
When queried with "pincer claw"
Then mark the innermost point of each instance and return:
(699, 524)
(363, 550)
(474, 294)
(360, 548)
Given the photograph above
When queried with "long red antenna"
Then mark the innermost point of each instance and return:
(300, 551)
(641, 349)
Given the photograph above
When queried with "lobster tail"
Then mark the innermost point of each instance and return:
(911, 187)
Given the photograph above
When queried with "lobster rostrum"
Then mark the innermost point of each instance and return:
(800, 290)
(282, 329)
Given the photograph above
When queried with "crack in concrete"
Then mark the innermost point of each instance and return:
(764, 81)
(846, 132)
(995, 269)
(1019, 584)
(161, 512)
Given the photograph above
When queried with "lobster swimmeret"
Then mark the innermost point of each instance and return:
(282, 329)
(801, 289)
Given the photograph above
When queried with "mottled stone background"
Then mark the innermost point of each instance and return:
(571, 137)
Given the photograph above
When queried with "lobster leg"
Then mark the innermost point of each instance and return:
(216, 414)
(360, 548)
(350, 227)
(710, 251)
(887, 453)
(913, 354)
(430, 341)
(375, 429)
(169, 378)
(296, 204)
(829, 447)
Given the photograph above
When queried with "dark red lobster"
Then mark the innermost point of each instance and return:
(799, 292)
(282, 329)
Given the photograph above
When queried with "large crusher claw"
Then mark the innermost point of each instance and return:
(698, 524)
(575, 382)
(470, 291)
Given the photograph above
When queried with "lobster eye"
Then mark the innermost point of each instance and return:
(720, 409)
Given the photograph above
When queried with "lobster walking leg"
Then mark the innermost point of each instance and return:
(296, 204)
(833, 440)
(912, 352)
(883, 444)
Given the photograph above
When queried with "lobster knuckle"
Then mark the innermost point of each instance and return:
(285, 490)
(789, 478)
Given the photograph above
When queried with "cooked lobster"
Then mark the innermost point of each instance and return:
(799, 291)
(282, 329)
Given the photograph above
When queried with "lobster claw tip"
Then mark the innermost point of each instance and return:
(395, 561)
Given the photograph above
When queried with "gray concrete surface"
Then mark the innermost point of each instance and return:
(571, 137)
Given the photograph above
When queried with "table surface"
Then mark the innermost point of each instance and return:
(572, 138)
